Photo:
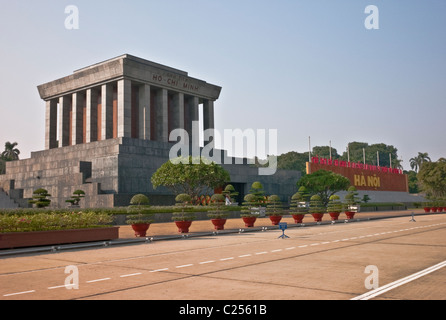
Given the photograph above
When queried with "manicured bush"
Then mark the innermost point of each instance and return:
(53, 221)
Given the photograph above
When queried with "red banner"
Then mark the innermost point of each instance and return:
(363, 177)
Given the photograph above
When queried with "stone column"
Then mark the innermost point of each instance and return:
(208, 114)
(177, 111)
(161, 116)
(64, 121)
(77, 118)
(191, 114)
(92, 117)
(124, 108)
(144, 112)
(51, 124)
(107, 111)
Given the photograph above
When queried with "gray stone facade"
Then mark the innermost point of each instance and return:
(112, 171)
(107, 131)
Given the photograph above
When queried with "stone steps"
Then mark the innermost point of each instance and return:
(6, 202)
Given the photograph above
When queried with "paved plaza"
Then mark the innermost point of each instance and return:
(316, 262)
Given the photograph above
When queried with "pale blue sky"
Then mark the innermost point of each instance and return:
(306, 68)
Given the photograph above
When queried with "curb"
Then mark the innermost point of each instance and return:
(149, 239)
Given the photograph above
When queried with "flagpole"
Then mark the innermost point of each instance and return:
(330, 149)
(309, 149)
(348, 154)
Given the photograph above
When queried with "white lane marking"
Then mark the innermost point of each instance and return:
(158, 270)
(277, 250)
(17, 293)
(245, 255)
(98, 280)
(62, 286)
(259, 253)
(225, 259)
(184, 266)
(130, 275)
(400, 282)
(204, 262)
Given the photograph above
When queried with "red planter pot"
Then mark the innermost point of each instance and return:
(317, 216)
(249, 221)
(140, 229)
(183, 226)
(45, 238)
(434, 209)
(350, 214)
(427, 209)
(298, 218)
(275, 220)
(219, 224)
(334, 215)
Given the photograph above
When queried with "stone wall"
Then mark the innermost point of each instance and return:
(112, 171)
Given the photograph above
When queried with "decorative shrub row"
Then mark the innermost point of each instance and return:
(53, 221)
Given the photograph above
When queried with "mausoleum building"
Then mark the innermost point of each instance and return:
(107, 131)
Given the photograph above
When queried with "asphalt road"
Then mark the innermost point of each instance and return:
(378, 259)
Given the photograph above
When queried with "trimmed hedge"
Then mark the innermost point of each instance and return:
(53, 221)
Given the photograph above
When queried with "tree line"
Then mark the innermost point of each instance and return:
(375, 154)
(426, 175)
(11, 153)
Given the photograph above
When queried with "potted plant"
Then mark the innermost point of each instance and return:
(229, 193)
(316, 208)
(139, 217)
(218, 216)
(442, 205)
(435, 205)
(274, 209)
(76, 198)
(183, 219)
(426, 207)
(248, 214)
(40, 198)
(351, 205)
(334, 207)
(299, 205)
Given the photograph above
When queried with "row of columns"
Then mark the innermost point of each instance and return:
(121, 109)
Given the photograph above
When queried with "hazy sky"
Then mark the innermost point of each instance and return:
(305, 68)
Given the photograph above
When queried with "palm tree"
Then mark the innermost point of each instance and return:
(417, 162)
(11, 153)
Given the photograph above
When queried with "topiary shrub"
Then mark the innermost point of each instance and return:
(40, 198)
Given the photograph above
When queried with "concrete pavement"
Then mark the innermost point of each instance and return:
(324, 262)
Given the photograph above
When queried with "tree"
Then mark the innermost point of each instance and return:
(76, 197)
(413, 181)
(190, 176)
(40, 198)
(324, 183)
(11, 153)
(373, 152)
(293, 161)
(417, 162)
(324, 152)
(432, 178)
